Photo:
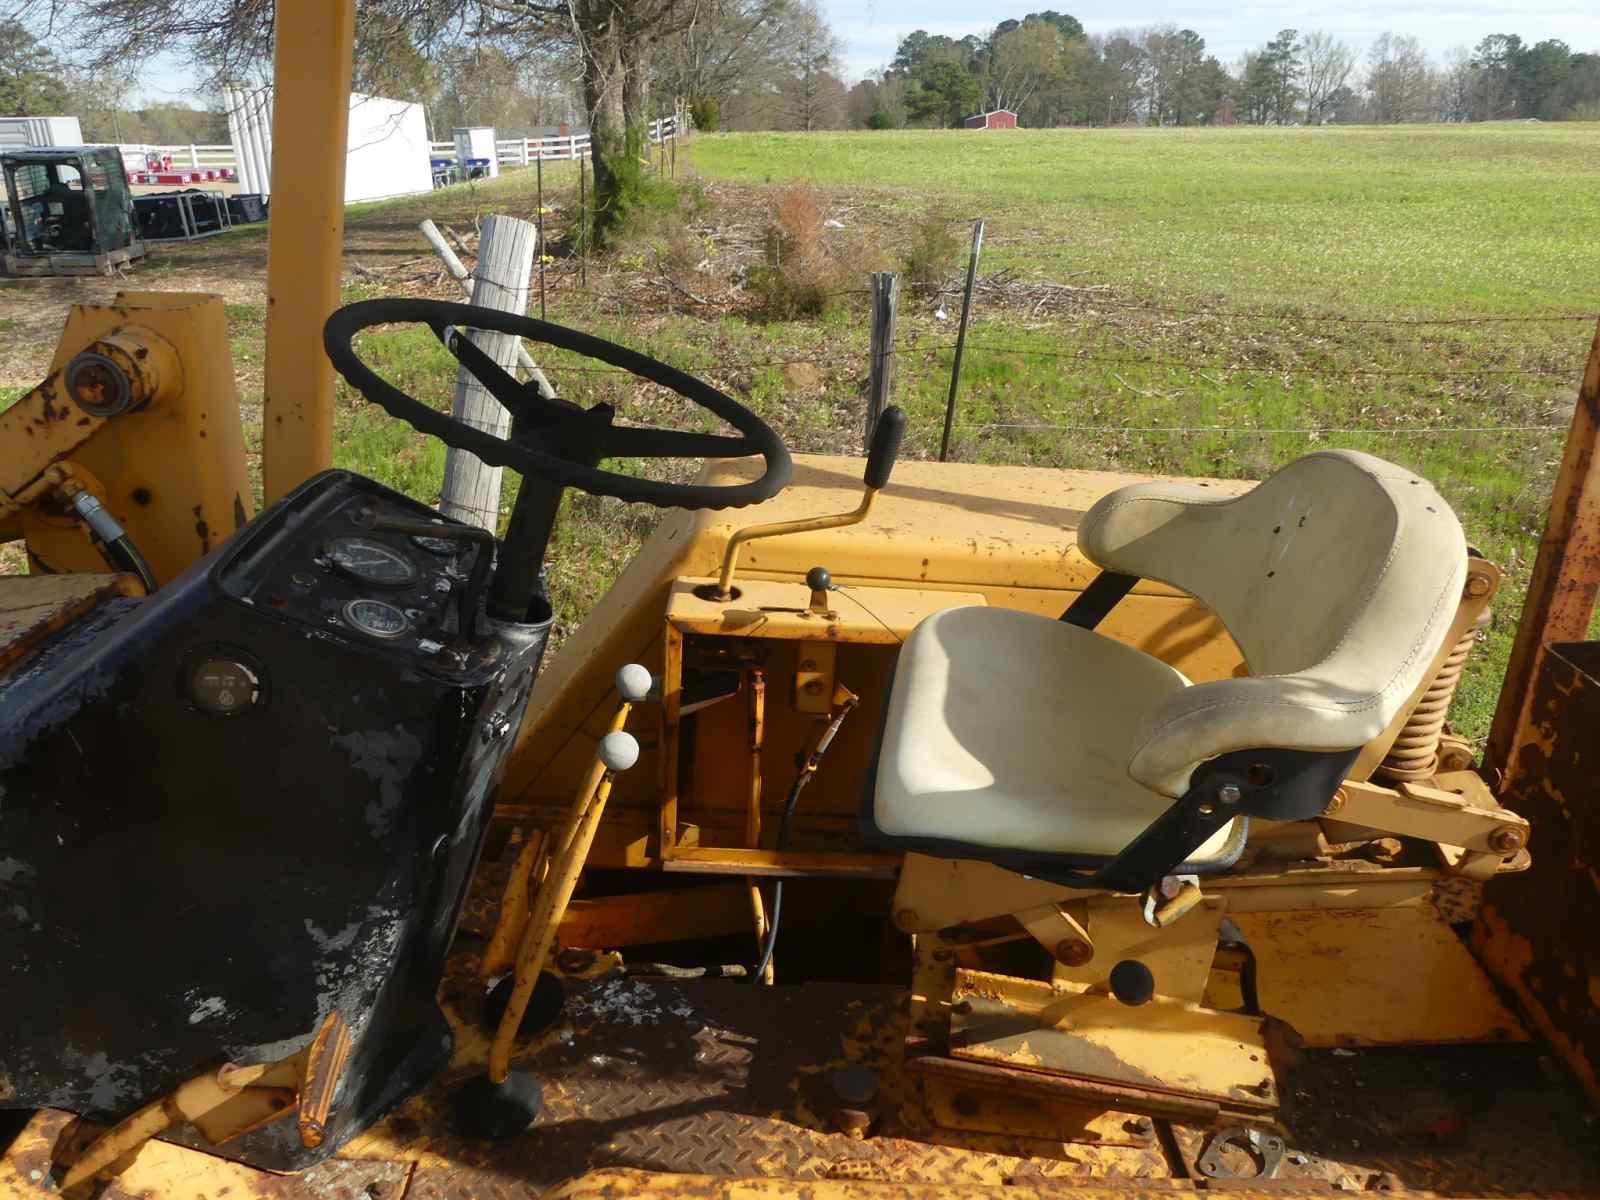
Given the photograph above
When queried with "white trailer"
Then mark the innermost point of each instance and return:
(19, 133)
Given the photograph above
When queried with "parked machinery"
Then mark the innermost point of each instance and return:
(69, 211)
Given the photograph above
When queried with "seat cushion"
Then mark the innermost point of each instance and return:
(1011, 731)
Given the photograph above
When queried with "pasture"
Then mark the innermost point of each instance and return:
(1220, 301)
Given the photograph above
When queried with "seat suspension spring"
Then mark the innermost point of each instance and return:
(1415, 753)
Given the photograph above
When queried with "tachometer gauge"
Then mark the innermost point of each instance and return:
(376, 618)
(371, 562)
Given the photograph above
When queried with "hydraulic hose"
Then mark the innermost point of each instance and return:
(115, 544)
(790, 803)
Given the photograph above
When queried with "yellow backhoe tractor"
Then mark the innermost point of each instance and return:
(886, 830)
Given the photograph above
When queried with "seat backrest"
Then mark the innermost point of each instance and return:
(1337, 576)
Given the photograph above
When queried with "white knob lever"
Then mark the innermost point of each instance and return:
(618, 751)
(634, 683)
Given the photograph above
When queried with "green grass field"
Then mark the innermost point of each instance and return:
(1469, 218)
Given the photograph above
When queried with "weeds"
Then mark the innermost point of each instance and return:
(798, 275)
(927, 261)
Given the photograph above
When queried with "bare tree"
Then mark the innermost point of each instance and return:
(1399, 80)
(1325, 64)
(724, 47)
(1023, 60)
(1456, 84)
(813, 94)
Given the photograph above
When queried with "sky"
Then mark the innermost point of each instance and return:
(873, 29)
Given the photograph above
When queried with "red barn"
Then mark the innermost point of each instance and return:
(999, 118)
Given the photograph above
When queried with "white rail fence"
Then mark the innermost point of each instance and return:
(512, 152)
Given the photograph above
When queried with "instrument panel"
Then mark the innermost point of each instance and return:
(334, 573)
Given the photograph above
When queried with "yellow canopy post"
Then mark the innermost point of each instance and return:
(310, 128)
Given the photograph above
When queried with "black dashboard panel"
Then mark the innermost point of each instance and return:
(229, 808)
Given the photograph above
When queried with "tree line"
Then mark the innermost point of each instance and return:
(1047, 70)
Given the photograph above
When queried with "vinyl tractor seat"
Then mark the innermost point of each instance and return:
(1046, 747)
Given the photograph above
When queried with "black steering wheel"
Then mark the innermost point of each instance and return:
(555, 441)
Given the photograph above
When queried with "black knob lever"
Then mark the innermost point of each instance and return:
(886, 438)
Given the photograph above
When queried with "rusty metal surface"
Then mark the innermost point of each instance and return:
(1539, 932)
(723, 1079)
(1566, 575)
(1454, 1121)
(167, 1172)
(32, 607)
(640, 1185)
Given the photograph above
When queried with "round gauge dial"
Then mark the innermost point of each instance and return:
(443, 547)
(375, 618)
(371, 561)
(223, 686)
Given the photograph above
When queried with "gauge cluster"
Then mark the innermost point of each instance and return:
(385, 590)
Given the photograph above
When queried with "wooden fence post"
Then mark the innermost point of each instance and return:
(961, 338)
(885, 305)
(505, 261)
(539, 166)
(459, 272)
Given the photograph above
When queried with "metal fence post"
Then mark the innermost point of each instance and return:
(539, 165)
(961, 338)
(885, 305)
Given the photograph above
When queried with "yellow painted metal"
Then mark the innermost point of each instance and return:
(160, 1169)
(1373, 977)
(955, 1106)
(1006, 533)
(750, 533)
(1469, 818)
(736, 860)
(636, 918)
(228, 1101)
(569, 852)
(32, 607)
(500, 954)
(874, 616)
(140, 368)
(938, 893)
(305, 246)
(1163, 1046)
(41, 428)
(1178, 956)
(173, 473)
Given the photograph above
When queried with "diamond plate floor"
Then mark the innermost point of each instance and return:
(726, 1079)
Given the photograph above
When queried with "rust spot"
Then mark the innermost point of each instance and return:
(1537, 933)
(202, 530)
